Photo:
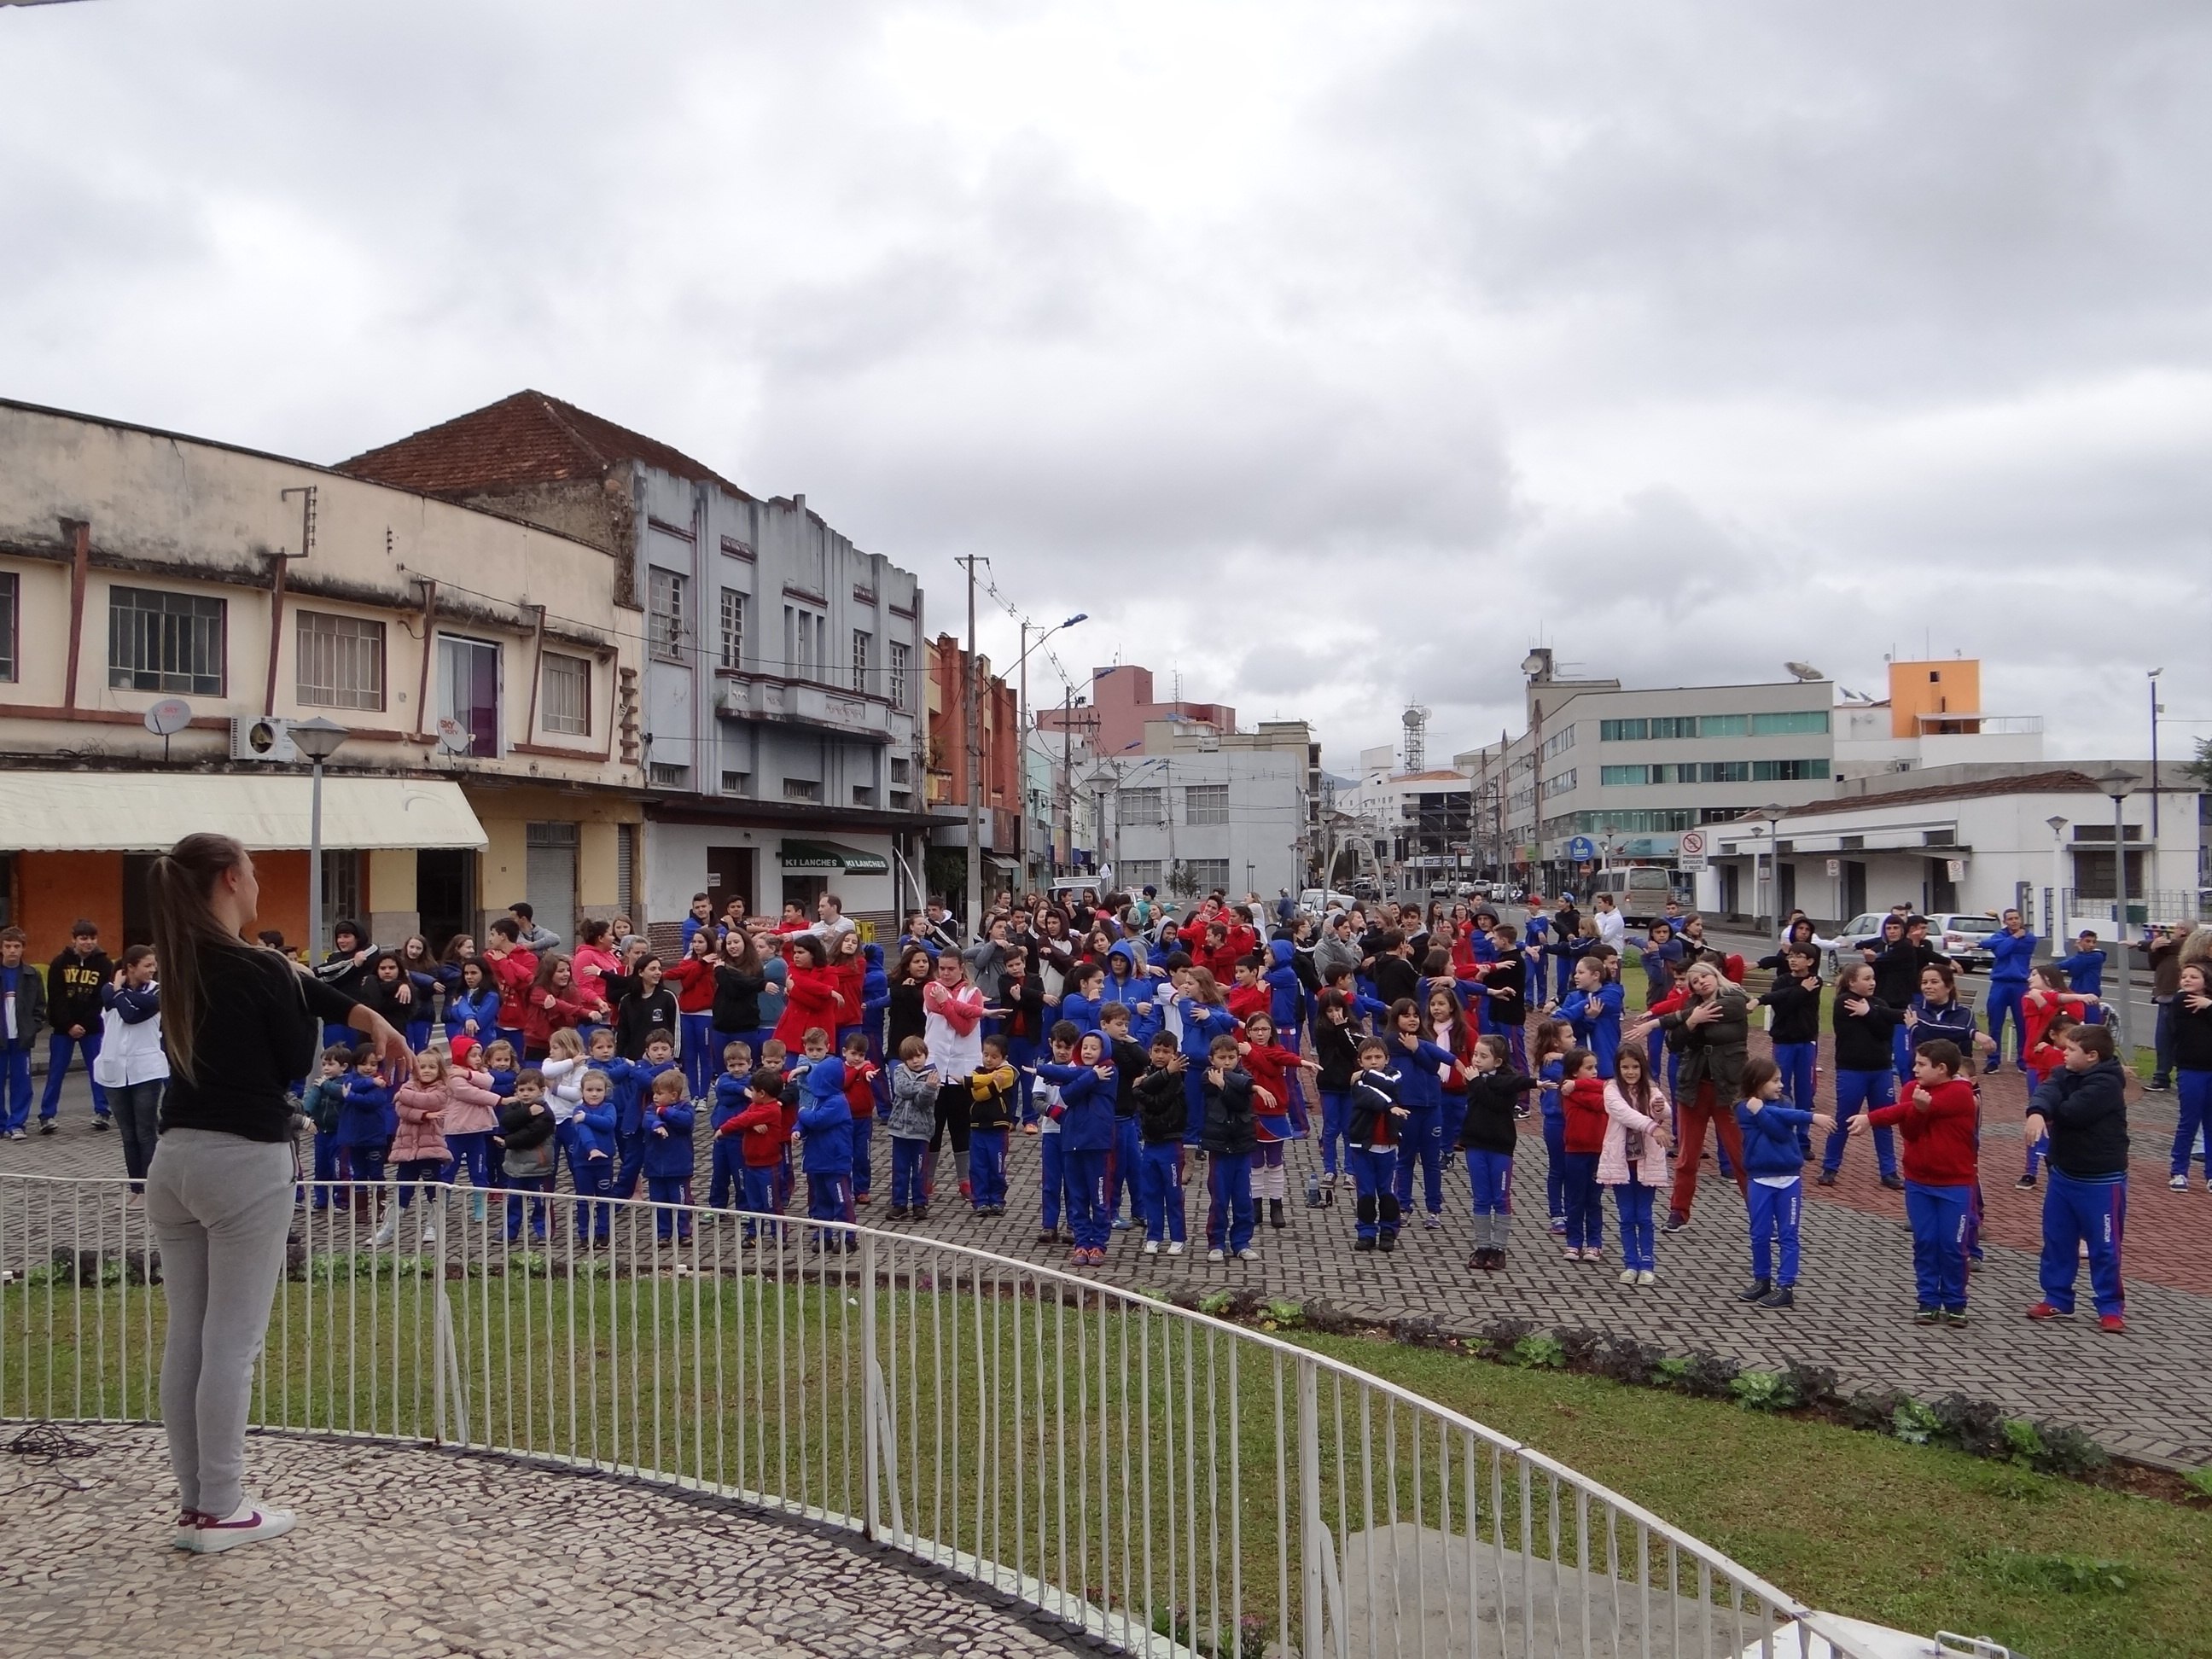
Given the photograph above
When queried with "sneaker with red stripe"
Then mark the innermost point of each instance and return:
(249, 1523)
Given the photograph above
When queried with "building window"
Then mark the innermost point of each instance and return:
(860, 660)
(567, 694)
(805, 639)
(1206, 803)
(341, 884)
(1141, 806)
(736, 783)
(162, 641)
(801, 789)
(863, 795)
(1559, 742)
(341, 661)
(10, 602)
(1137, 874)
(1788, 771)
(1723, 726)
(902, 770)
(1609, 776)
(1207, 875)
(1623, 731)
(468, 691)
(661, 775)
(1795, 723)
(896, 689)
(1560, 783)
(733, 629)
(663, 622)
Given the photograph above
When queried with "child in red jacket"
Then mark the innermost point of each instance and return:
(1940, 1119)
(1582, 1101)
(812, 999)
(764, 1139)
(859, 1095)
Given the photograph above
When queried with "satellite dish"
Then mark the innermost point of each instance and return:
(169, 717)
(1804, 671)
(453, 738)
(1533, 663)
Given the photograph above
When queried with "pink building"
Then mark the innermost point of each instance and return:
(1120, 703)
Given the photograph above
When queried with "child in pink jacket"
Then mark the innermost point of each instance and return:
(436, 1098)
(1633, 1160)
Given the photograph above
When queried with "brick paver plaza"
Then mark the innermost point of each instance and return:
(2146, 1393)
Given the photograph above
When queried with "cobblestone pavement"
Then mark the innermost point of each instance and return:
(408, 1554)
(2146, 1393)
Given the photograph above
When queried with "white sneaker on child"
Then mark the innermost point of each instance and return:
(1645, 1276)
(389, 1230)
(1151, 1247)
(1176, 1247)
(430, 1230)
(1214, 1255)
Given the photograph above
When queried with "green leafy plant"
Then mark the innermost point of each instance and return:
(1913, 1423)
(2059, 1575)
(1217, 1304)
(2022, 1443)
(2199, 1481)
(1539, 1353)
(1764, 1391)
(1709, 1376)
(528, 1264)
(2069, 1451)
(1283, 1314)
(1670, 1372)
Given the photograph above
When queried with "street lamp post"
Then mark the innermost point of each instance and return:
(1767, 892)
(318, 739)
(2118, 784)
(2055, 924)
(1022, 668)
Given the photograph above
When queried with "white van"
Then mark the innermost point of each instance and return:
(1640, 891)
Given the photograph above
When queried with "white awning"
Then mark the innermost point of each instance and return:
(151, 811)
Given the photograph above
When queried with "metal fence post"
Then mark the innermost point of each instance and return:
(872, 1384)
(1313, 1532)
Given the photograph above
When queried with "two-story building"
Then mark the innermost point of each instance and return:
(149, 580)
(782, 708)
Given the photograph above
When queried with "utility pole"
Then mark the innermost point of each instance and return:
(975, 769)
(1021, 726)
(1067, 770)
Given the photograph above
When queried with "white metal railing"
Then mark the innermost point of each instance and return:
(1164, 1481)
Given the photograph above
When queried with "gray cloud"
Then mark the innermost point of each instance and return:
(1327, 359)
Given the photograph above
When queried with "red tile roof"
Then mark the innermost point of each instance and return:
(526, 439)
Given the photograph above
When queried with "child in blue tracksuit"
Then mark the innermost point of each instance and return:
(2083, 1108)
(1336, 1045)
(994, 1091)
(366, 1125)
(632, 1110)
(1372, 1127)
(1085, 995)
(2085, 974)
(594, 1125)
(1592, 1008)
(825, 1129)
(1198, 1003)
(1160, 1124)
(1547, 1057)
(1229, 1136)
(1288, 1009)
(1123, 1166)
(1420, 1091)
(1127, 983)
(2012, 953)
(1052, 1166)
(324, 1103)
(668, 1156)
(1086, 1113)
(733, 1093)
(1774, 1161)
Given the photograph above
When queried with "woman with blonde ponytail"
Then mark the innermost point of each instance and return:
(240, 1022)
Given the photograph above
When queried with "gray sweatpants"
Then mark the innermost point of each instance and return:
(221, 1206)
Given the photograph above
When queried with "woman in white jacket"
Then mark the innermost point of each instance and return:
(132, 1067)
(1633, 1160)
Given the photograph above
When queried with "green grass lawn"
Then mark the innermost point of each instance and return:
(1089, 1436)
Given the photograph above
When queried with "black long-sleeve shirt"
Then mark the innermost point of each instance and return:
(1796, 1011)
(73, 985)
(254, 1036)
(1862, 1040)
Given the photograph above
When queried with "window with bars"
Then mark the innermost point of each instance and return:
(1206, 803)
(341, 661)
(565, 699)
(736, 783)
(733, 629)
(861, 644)
(1137, 874)
(10, 602)
(1207, 874)
(661, 775)
(162, 641)
(1141, 806)
(896, 687)
(805, 641)
(801, 789)
(664, 621)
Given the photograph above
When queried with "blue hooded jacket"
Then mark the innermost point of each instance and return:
(2085, 972)
(1770, 1139)
(2010, 957)
(1085, 1108)
(1600, 1032)
(826, 1120)
(668, 1158)
(730, 1096)
(1137, 988)
(1286, 1003)
(875, 989)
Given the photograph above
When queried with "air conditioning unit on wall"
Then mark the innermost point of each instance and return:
(262, 738)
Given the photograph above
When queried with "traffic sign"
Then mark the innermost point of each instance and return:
(1691, 850)
(1581, 849)
(1835, 867)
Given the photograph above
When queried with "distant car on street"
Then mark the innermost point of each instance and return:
(1963, 936)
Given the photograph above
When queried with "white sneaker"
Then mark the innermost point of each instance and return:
(1248, 1254)
(248, 1523)
(2178, 1184)
(1628, 1275)
(389, 1230)
(188, 1530)
(1151, 1247)
(1645, 1276)
(1176, 1247)
(430, 1230)
(1214, 1255)
(136, 1201)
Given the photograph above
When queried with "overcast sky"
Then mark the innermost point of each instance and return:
(1331, 355)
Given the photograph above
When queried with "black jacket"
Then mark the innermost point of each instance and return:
(1491, 1126)
(1228, 1129)
(1024, 1000)
(1369, 1123)
(73, 984)
(1862, 1040)
(2088, 1112)
(1162, 1111)
(737, 998)
(2192, 1036)
(906, 1016)
(255, 1035)
(1796, 1011)
(1337, 1048)
(1510, 974)
(1396, 979)
(1897, 971)
(1131, 1061)
(637, 1017)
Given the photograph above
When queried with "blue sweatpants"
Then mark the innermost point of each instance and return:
(61, 1046)
(702, 1055)
(1555, 1169)
(1375, 1181)
(829, 1196)
(1900, 1051)
(2193, 1091)
(1087, 1215)
(727, 1181)
(864, 1153)
(472, 1152)
(1335, 1105)
(1194, 1101)
(1585, 1202)
(327, 1164)
(630, 1163)
(987, 1167)
(2005, 998)
(1229, 1201)
(908, 1158)
(14, 1085)
(1160, 1188)
(1775, 1213)
(1491, 1174)
(1122, 1170)
(760, 1201)
(1798, 1064)
(1937, 1216)
(666, 1191)
(1422, 1142)
(591, 1176)
(1053, 1176)
(1453, 1120)
(2075, 1212)
(1022, 1054)
(1634, 1201)
(1854, 1090)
